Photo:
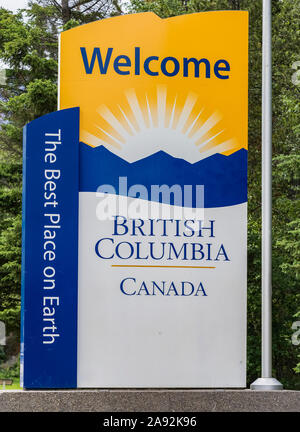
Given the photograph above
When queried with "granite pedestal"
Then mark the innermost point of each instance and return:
(148, 400)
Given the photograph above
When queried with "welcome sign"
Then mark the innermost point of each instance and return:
(135, 208)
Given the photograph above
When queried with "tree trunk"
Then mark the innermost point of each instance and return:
(66, 11)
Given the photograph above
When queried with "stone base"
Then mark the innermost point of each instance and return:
(148, 401)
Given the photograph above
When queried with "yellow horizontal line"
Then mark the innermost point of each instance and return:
(161, 266)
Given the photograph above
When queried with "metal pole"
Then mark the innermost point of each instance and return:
(267, 195)
(266, 382)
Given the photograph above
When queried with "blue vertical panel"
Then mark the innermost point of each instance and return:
(50, 251)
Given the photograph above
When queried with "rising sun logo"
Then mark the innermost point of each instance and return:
(146, 124)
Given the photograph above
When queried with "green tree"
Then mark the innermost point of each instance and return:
(81, 11)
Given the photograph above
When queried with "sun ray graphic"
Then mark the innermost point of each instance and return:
(157, 121)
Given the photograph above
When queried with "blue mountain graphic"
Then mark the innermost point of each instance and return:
(224, 177)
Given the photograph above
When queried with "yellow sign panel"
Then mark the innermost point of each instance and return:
(162, 273)
(178, 84)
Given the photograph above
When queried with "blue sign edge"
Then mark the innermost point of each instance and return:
(23, 380)
(23, 262)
